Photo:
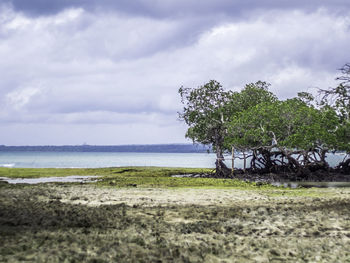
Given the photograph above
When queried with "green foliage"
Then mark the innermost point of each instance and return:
(205, 112)
(291, 124)
(338, 98)
(209, 109)
(252, 95)
(306, 97)
(343, 137)
(254, 120)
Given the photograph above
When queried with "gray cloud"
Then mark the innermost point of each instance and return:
(74, 71)
(98, 134)
(171, 8)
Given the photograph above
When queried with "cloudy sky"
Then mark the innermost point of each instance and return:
(108, 72)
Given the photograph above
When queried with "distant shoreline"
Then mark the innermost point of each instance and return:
(142, 148)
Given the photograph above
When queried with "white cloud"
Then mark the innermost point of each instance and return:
(19, 98)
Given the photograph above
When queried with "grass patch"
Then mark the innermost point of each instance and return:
(134, 181)
(135, 177)
(45, 172)
(106, 172)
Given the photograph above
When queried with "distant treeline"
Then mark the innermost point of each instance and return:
(152, 148)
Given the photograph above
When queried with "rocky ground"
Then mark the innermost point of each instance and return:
(76, 223)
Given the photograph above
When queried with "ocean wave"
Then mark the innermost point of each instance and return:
(7, 165)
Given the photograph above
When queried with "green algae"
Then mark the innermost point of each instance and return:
(134, 181)
(135, 177)
(106, 172)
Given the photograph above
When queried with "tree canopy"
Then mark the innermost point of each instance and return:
(291, 135)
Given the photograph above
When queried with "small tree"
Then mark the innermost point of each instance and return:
(206, 113)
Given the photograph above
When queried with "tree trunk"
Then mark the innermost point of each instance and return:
(252, 161)
(221, 168)
(233, 159)
(244, 161)
(323, 159)
(293, 164)
(267, 157)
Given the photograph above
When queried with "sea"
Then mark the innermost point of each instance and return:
(33, 159)
(48, 159)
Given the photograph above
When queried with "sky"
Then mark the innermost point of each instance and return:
(105, 72)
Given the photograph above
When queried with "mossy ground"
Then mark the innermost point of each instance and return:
(108, 172)
(132, 176)
(112, 223)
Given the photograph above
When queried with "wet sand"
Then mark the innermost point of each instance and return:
(54, 223)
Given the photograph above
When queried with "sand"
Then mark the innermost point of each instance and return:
(54, 223)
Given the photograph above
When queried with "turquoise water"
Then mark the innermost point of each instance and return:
(115, 159)
(104, 159)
